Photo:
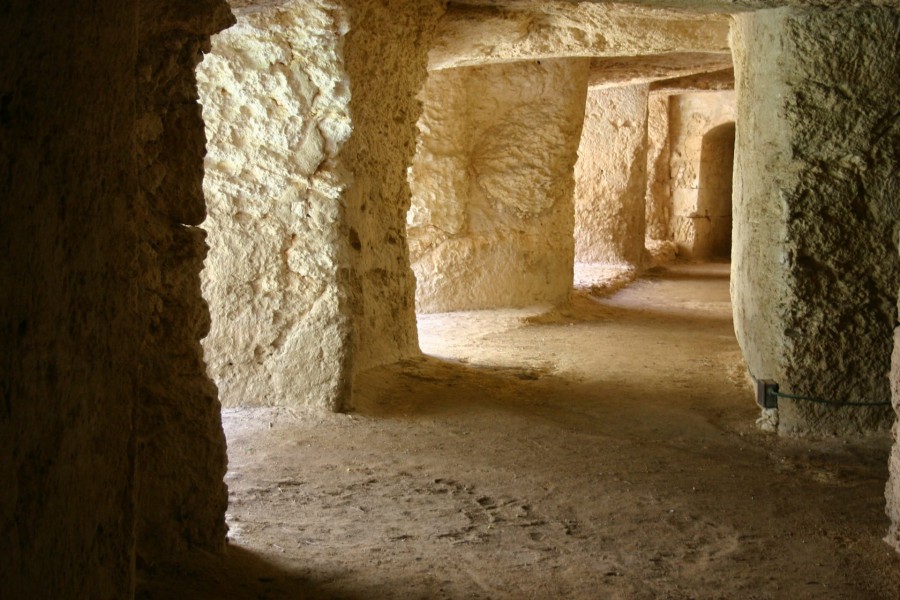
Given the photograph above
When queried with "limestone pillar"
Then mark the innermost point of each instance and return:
(180, 445)
(814, 264)
(310, 109)
(491, 220)
(611, 177)
(386, 53)
(70, 324)
(659, 192)
(276, 106)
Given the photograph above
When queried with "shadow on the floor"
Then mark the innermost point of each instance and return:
(239, 574)
(587, 308)
(699, 271)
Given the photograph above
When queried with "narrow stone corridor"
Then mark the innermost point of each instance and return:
(603, 450)
(261, 213)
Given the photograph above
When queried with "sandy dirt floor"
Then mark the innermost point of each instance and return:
(608, 450)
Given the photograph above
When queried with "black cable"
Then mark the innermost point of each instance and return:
(823, 401)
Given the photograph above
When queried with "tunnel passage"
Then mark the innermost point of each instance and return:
(701, 165)
(714, 201)
(101, 174)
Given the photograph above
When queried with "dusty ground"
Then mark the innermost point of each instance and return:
(604, 451)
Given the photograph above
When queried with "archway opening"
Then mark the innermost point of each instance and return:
(702, 127)
(714, 198)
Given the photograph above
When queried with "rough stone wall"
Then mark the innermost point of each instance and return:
(68, 295)
(386, 58)
(659, 191)
(701, 207)
(814, 265)
(276, 107)
(611, 177)
(441, 249)
(181, 497)
(491, 218)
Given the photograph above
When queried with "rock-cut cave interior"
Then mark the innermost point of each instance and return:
(449, 299)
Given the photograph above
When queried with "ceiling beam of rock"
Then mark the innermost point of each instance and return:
(239, 7)
(632, 70)
(477, 35)
(694, 6)
(716, 81)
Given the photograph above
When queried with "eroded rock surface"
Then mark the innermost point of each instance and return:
(815, 269)
(611, 177)
(70, 326)
(112, 448)
(311, 112)
(180, 446)
(386, 58)
(633, 70)
(276, 106)
(659, 190)
(491, 220)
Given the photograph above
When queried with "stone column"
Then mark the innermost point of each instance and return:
(659, 191)
(311, 108)
(491, 220)
(814, 264)
(181, 460)
(70, 282)
(386, 53)
(276, 104)
(611, 177)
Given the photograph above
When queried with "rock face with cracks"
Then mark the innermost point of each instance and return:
(611, 177)
(311, 112)
(491, 219)
(68, 316)
(180, 445)
(701, 163)
(659, 191)
(113, 448)
(276, 105)
(386, 61)
(815, 267)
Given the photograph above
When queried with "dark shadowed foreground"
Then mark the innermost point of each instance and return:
(605, 451)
